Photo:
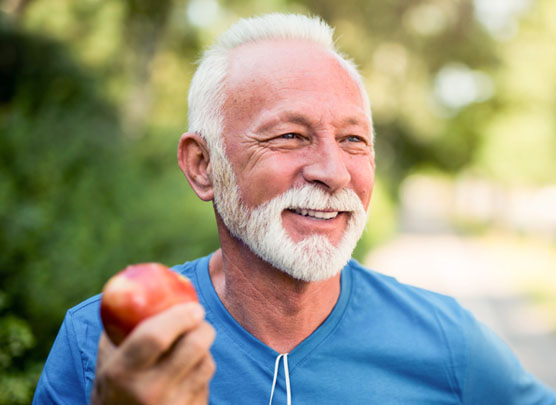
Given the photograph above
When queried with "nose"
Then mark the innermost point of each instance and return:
(327, 166)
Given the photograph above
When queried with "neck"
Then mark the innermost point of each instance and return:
(277, 309)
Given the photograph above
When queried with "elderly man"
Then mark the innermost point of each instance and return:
(281, 141)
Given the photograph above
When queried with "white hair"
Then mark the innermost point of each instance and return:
(207, 90)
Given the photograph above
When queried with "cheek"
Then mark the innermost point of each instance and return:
(363, 180)
(270, 178)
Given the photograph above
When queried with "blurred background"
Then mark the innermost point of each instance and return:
(93, 100)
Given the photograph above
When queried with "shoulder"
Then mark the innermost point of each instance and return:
(69, 369)
(87, 311)
(189, 268)
(423, 321)
(481, 364)
(82, 326)
(390, 292)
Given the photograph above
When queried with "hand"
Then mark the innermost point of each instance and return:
(164, 361)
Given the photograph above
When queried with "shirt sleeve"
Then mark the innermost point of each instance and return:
(63, 379)
(494, 375)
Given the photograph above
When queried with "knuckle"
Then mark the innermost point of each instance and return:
(142, 348)
(208, 333)
(201, 339)
(153, 393)
(208, 367)
(197, 343)
(211, 332)
(201, 374)
(114, 373)
(148, 396)
(152, 342)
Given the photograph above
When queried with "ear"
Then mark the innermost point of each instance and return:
(194, 161)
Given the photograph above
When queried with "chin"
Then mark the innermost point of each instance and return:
(314, 258)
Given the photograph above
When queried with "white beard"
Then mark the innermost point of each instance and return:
(314, 258)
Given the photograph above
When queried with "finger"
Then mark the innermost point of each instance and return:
(189, 351)
(194, 388)
(175, 376)
(160, 387)
(155, 335)
(200, 376)
(201, 398)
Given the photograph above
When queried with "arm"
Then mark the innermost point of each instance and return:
(494, 375)
(63, 379)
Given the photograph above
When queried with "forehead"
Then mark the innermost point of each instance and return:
(264, 74)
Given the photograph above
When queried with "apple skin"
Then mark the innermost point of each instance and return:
(138, 292)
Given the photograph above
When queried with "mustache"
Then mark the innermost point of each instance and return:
(312, 197)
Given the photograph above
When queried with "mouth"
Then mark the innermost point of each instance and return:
(317, 214)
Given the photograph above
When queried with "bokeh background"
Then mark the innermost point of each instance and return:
(93, 100)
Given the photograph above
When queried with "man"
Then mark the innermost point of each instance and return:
(281, 141)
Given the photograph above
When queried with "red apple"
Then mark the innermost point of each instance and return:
(138, 292)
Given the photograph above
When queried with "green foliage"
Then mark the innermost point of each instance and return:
(15, 389)
(15, 339)
(57, 136)
(17, 379)
(518, 142)
(79, 200)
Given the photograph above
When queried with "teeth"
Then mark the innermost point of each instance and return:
(316, 214)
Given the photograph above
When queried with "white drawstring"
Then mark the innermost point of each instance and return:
(287, 373)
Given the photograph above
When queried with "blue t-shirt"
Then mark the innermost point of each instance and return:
(383, 343)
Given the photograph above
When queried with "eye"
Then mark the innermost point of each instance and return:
(289, 135)
(287, 140)
(355, 138)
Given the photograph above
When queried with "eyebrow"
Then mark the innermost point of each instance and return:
(288, 116)
(297, 118)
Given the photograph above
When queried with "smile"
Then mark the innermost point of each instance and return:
(316, 214)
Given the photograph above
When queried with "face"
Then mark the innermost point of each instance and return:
(300, 167)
